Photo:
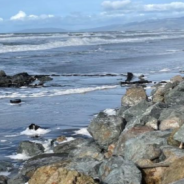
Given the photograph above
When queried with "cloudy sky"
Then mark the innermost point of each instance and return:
(79, 14)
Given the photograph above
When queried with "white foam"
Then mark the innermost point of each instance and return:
(83, 131)
(78, 41)
(20, 156)
(46, 144)
(52, 92)
(165, 70)
(110, 112)
(37, 132)
(5, 173)
(11, 135)
(3, 141)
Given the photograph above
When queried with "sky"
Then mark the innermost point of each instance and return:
(82, 14)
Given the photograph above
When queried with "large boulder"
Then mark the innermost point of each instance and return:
(143, 146)
(177, 78)
(30, 148)
(80, 148)
(172, 118)
(105, 129)
(133, 96)
(175, 96)
(174, 172)
(53, 175)
(117, 170)
(179, 135)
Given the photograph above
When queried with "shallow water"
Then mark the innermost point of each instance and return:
(90, 67)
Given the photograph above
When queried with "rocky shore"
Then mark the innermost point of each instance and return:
(139, 143)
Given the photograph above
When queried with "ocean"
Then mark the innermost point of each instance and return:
(86, 69)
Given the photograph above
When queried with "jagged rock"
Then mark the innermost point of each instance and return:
(117, 170)
(171, 141)
(53, 175)
(133, 96)
(86, 165)
(30, 148)
(5, 166)
(34, 163)
(172, 118)
(136, 110)
(143, 146)
(126, 135)
(175, 96)
(149, 116)
(19, 179)
(174, 172)
(106, 129)
(179, 135)
(80, 148)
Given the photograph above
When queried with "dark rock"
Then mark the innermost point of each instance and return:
(30, 148)
(117, 170)
(129, 76)
(80, 148)
(33, 127)
(106, 129)
(5, 166)
(2, 73)
(136, 82)
(43, 78)
(15, 101)
(3, 180)
(19, 179)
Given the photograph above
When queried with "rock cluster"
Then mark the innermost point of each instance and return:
(139, 144)
(21, 79)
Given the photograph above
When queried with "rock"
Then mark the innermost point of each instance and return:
(158, 95)
(43, 78)
(5, 166)
(174, 172)
(143, 146)
(175, 96)
(172, 118)
(171, 141)
(135, 111)
(3, 180)
(34, 163)
(117, 170)
(110, 151)
(61, 139)
(133, 96)
(54, 175)
(19, 179)
(80, 148)
(2, 73)
(179, 135)
(5, 82)
(86, 165)
(106, 129)
(122, 110)
(177, 78)
(126, 135)
(30, 148)
(15, 101)
(179, 182)
(149, 116)
(22, 79)
(153, 175)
